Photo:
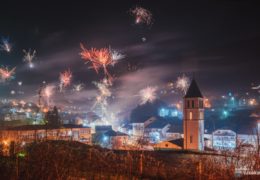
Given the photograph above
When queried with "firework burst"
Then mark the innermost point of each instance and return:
(183, 83)
(102, 97)
(65, 79)
(148, 94)
(116, 56)
(100, 59)
(29, 56)
(78, 87)
(142, 16)
(6, 74)
(47, 93)
(6, 45)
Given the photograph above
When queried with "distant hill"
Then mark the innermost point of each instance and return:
(146, 111)
(241, 121)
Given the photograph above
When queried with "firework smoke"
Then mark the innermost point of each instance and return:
(256, 87)
(102, 97)
(47, 93)
(148, 94)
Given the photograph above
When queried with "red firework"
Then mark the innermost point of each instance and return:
(65, 78)
(100, 58)
(6, 74)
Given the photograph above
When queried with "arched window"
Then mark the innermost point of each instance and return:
(190, 115)
(188, 104)
(192, 104)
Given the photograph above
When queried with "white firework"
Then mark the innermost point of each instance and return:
(102, 98)
(29, 56)
(183, 83)
(116, 56)
(78, 87)
(6, 45)
(47, 93)
(148, 94)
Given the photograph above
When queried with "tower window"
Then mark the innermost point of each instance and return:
(188, 104)
(190, 115)
(192, 104)
(201, 104)
(190, 139)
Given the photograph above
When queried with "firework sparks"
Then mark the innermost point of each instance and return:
(148, 94)
(29, 56)
(102, 97)
(100, 58)
(142, 16)
(12, 92)
(65, 79)
(103, 88)
(47, 92)
(183, 83)
(116, 56)
(6, 74)
(6, 45)
(78, 87)
(256, 87)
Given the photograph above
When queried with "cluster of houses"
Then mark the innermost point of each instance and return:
(154, 133)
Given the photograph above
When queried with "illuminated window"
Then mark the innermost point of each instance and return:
(190, 115)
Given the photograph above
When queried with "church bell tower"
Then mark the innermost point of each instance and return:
(193, 118)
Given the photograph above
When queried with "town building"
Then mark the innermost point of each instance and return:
(193, 118)
(30, 133)
(223, 139)
(106, 137)
(169, 145)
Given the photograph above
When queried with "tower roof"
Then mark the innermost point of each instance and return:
(193, 90)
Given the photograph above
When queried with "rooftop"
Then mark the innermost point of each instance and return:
(193, 90)
(38, 127)
(114, 133)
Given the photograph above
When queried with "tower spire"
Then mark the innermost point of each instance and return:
(193, 90)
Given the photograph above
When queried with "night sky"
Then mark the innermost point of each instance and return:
(215, 41)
